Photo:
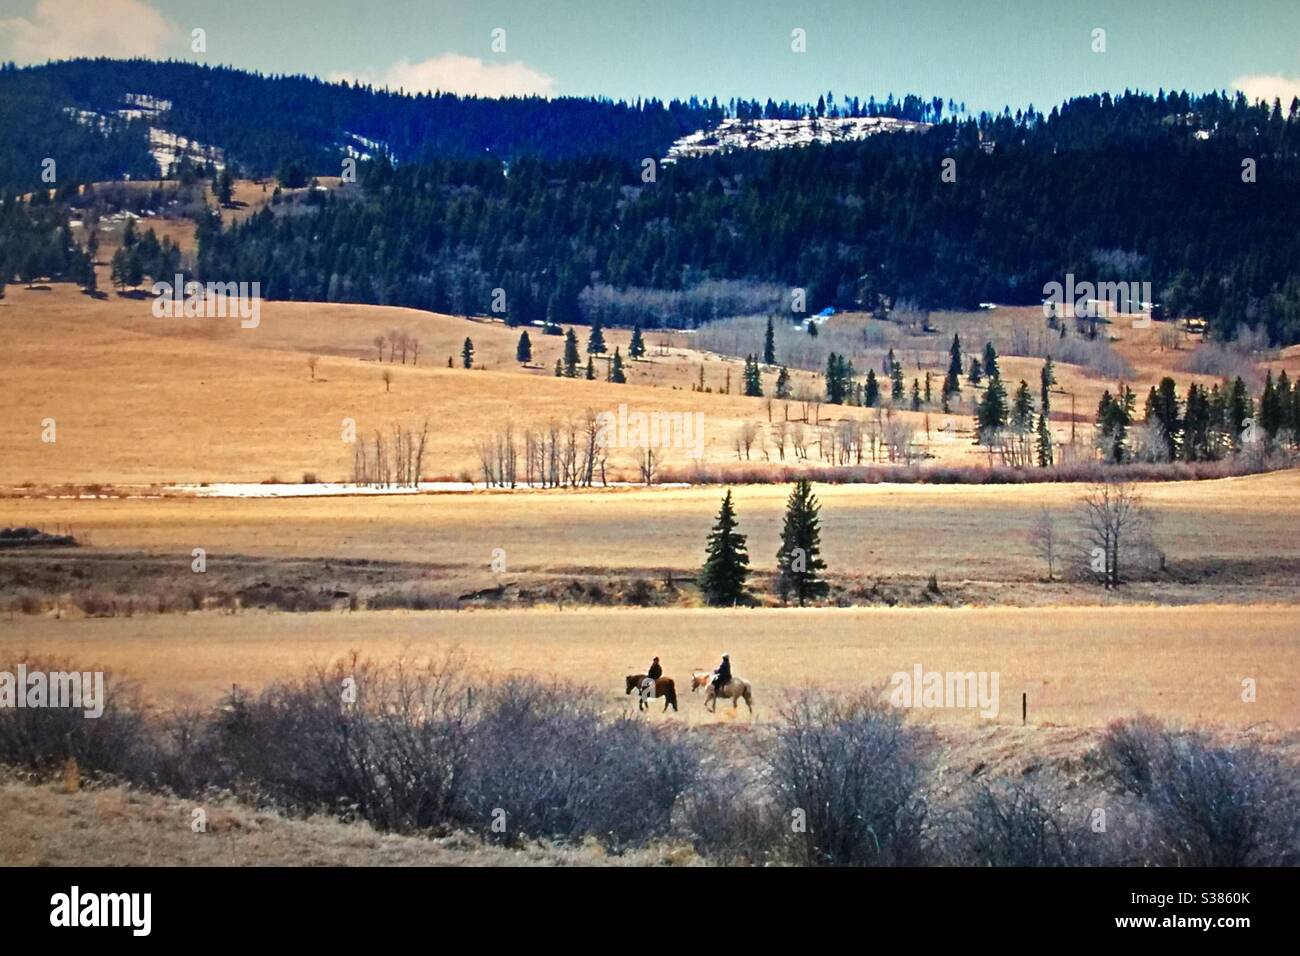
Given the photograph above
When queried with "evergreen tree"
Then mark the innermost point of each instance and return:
(524, 350)
(596, 340)
(1046, 379)
(571, 357)
(726, 562)
(769, 344)
(927, 387)
(1022, 409)
(952, 381)
(1044, 442)
(976, 372)
(753, 378)
(467, 353)
(783, 383)
(559, 368)
(896, 381)
(991, 369)
(1163, 408)
(991, 411)
(616, 373)
(636, 348)
(916, 395)
(871, 391)
(798, 559)
(812, 328)
(591, 369)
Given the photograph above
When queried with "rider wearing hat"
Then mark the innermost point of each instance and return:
(723, 674)
(655, 672)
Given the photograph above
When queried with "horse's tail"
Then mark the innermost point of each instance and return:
(670, 693)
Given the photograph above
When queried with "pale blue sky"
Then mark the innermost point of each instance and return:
(986, 52)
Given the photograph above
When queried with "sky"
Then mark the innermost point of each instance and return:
(986, 53)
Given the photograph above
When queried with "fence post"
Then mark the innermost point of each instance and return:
(1024, 708)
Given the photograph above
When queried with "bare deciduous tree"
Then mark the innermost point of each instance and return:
(387, 377)
(312, 362)
(1115, 523)
(1043, 539)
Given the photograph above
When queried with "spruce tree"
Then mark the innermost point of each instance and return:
(524, 350)
(991, 369)
(467, 353)
(798, 559)
(636, 348)
(976, 372)
(916, 395)
(753, 378)
(726, 563)
(596, 340)
(896, 381)
(571, 357)
(1044, 442)
(871, 391)
(783, 383)
(952, 382)
(769, 344)
(991, 412)
(591, 369)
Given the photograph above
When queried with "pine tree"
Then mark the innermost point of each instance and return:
(916, 395)
(927, 387)
(591, 369)
(1044, 442)
(636, 348)
(726, 562)
(616, 373)
(991, 412)
(559, 369)
(871, 391)
(976, 372)
(798, 559)
(769, 344)
(952, 382)
(596, 340)
(753, 378)
(467, 353)
(1022, 409)
(1046, 379)
(896, 381)
(783, 383)
(571, 357)
(991, 369)
(524, 350)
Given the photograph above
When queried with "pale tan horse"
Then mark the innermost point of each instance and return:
(735, 689)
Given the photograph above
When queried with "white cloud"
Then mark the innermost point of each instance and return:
(453, 73)
(59, 29)
(1268, 87)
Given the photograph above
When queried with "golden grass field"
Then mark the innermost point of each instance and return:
(1079, 666)
(138, 399)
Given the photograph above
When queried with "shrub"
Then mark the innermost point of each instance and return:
(858, 773)
(1208, 804)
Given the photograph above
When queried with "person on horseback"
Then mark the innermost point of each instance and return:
(655, 672)
(723, 674)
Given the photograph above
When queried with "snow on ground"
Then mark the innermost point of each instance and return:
(784, 133)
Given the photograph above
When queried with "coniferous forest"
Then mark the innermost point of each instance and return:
(546, 199)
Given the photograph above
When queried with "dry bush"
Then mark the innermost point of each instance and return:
(1206, 804)
(859, 774)
(544, 754)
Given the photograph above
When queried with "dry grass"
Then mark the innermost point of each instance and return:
(115, 826)
(1081, 667)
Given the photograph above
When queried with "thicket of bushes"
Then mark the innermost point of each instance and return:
(835, 781)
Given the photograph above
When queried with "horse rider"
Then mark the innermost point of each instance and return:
(723, 674)
(655, 672)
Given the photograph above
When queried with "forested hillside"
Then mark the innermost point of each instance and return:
(1139, 189)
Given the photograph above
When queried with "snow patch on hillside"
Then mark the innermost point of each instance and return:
(785, 133)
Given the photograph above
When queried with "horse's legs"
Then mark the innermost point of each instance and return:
(749, 703)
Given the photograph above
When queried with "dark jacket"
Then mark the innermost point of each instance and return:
(724, 674)
(655, 671)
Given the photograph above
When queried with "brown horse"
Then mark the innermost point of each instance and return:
(663, 687)
(736, 688)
